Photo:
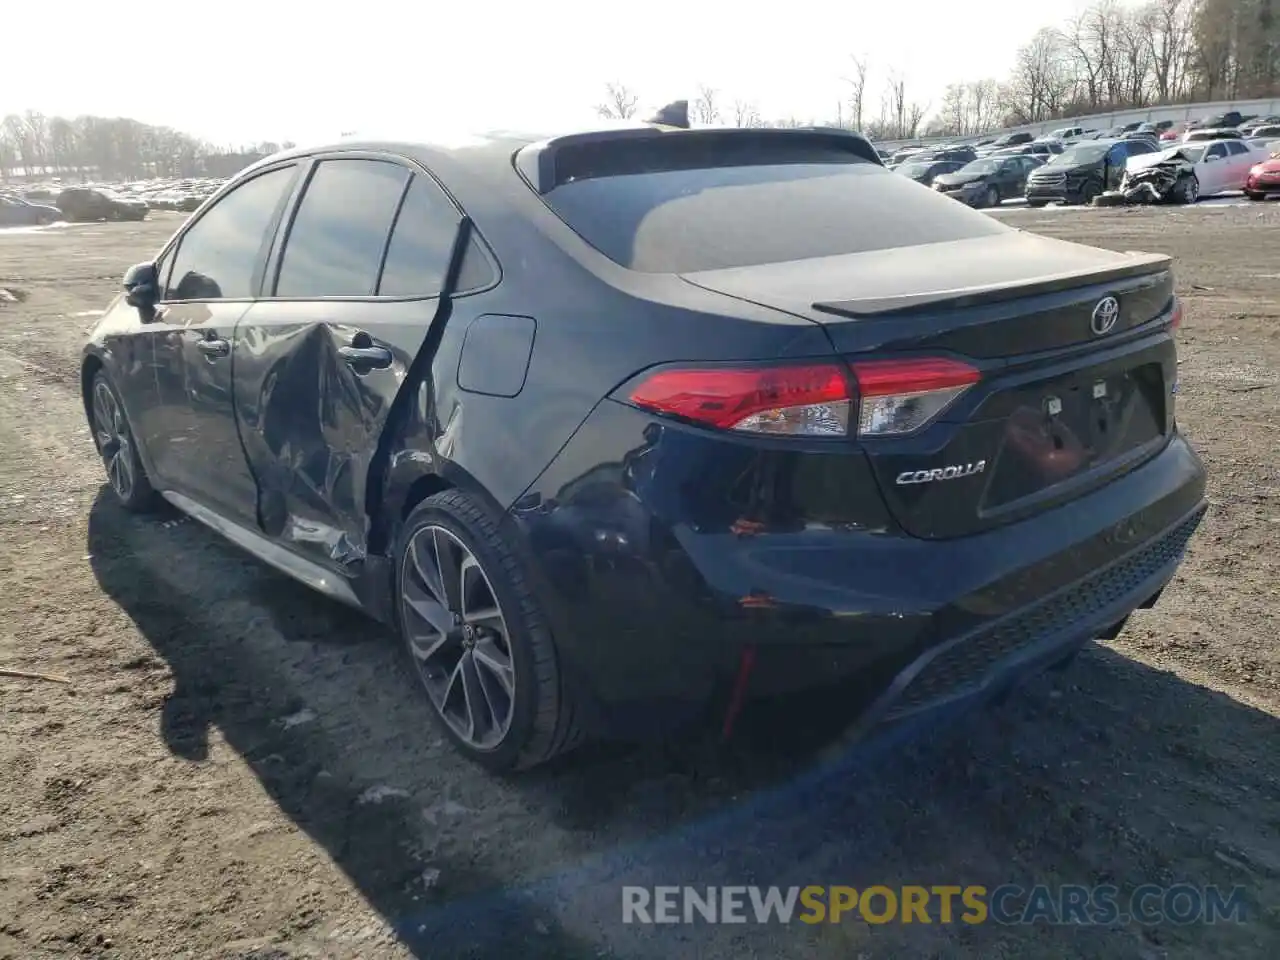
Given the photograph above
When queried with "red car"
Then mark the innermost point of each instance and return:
(1263, 179)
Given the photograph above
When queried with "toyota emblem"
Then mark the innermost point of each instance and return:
(1105, 315)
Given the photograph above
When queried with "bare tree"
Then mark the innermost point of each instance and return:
(619, 103)
(745, 114)
(1167, 28)
(953, 115)
(706, 108)
(857, 81)
(893, 105)
(984, 104)
(899, 117)
(1041, 81)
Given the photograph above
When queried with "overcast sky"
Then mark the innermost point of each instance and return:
(238, 71)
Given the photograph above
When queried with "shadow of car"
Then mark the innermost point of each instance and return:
(533, 867)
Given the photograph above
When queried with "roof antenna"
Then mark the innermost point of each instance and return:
(674, 114)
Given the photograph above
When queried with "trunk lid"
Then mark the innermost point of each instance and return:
(1060, 408)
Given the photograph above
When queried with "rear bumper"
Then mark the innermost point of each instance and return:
(1034, 637)
(654, 592)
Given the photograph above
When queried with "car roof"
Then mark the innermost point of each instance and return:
(494, 150)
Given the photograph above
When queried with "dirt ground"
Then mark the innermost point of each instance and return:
(239, 769)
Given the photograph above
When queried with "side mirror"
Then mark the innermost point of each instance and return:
(141, 286)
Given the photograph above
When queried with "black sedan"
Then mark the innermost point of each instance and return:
(87, 204)
(20, 212)
(611, 423)
(989, 181)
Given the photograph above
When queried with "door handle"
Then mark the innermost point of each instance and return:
(214, 348)
(379, 357)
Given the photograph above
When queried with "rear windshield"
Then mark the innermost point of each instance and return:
(682, 221)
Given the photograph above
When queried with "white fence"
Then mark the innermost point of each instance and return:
(1104, 121)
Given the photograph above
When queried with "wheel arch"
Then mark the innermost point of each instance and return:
(89, 367)
(410, 481)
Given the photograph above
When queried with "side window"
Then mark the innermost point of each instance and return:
(217, 257)
(163, 265)
(1235, 146)
(1117, 155)
(340, 230)
(418, 255)
(1218, 149)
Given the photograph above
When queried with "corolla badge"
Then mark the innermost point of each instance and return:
(953, 472)
(1105, 314)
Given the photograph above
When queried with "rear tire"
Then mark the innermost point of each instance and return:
(477, 638)
(1036, 204)
(1255, 196)
(113, 438)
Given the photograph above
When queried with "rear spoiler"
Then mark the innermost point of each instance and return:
(1140, 264)
(543, 164)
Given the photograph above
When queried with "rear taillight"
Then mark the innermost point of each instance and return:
(1175, 321)
(892, 397)
(805, 401)
(902, 396)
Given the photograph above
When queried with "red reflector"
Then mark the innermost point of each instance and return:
(886, 378)
(723, 398)
(1176, 320)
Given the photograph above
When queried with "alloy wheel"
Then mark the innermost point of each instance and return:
(458, 637)
(112, 434)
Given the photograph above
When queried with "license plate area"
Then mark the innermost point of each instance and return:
(1070, 425)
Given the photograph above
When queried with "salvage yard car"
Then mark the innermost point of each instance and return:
(1205, 169)
(1083, 171)
(20, 212)
(609, 423)
(987, 181)
(87, 204)
(1263, 179)
(924, 171)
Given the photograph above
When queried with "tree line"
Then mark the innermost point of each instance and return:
(1108, 57)
(113, 148)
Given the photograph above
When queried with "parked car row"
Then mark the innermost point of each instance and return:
(1081, 171)
(54, 200)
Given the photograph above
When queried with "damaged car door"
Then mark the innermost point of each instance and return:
(322, 356)
(214, 269)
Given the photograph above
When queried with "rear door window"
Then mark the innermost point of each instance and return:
(739, 210)
(336, 242)
(422, 243)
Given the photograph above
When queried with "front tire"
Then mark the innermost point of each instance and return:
(477, 639)
(1255, 196)
(1188, 189)
(992, 199)
(114, 440)
(1091, 190)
